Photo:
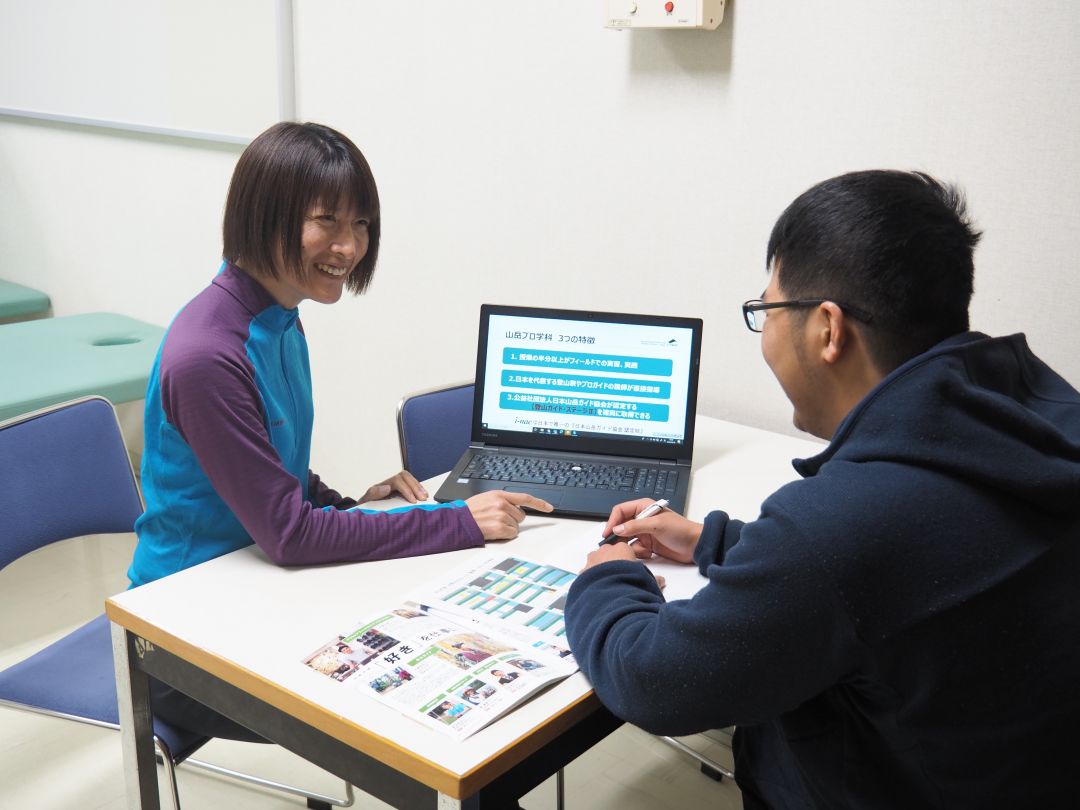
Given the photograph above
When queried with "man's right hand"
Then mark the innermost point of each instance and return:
(498, 512)
(667, 534)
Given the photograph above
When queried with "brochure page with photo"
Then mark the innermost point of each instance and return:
(525, 599)
(464, 652)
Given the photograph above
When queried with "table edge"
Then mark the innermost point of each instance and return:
(370, 743)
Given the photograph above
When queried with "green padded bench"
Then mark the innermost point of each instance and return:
(48, 361)
(18, 303)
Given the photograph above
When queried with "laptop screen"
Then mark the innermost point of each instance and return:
(593, 381)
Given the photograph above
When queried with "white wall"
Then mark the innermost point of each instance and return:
(527, 155)
(145, 62)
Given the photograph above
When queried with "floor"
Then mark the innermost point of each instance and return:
(53, 764)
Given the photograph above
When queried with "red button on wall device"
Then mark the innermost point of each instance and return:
(669, 7)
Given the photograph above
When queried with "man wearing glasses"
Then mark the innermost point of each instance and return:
(901, 627)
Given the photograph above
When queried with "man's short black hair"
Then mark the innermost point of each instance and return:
(282, 174)
(897, 245)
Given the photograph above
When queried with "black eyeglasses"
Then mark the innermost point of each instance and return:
(755, 310)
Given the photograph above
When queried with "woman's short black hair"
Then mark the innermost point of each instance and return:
(284, 173)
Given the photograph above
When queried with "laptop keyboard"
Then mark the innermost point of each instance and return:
(635, 481)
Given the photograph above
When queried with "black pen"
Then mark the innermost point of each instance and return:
(648, 511)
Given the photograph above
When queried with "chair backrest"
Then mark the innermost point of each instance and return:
(434, 428)
(64, 472)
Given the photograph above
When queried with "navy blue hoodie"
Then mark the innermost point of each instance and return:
(900, 627)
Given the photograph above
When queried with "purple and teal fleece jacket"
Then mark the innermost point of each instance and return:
(228, 427)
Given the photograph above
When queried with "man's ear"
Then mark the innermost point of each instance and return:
(833, 332)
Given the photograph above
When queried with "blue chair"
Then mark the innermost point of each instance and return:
(434, 428)
(65, 473)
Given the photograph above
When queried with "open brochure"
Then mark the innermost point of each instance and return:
(462, 652)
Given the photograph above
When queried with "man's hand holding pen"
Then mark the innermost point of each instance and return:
(654, 508)
(658, 531)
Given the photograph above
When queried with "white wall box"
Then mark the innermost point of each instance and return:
(664, 13)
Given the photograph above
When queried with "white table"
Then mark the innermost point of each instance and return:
(231, 632)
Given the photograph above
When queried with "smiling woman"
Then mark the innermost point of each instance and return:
(334, 240)
(301, 194)
(229, 409)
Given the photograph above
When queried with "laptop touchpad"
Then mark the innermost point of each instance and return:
(549, 494)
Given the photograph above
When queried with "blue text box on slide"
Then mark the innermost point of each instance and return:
(579, 406)
(613, 386)
(653, 366)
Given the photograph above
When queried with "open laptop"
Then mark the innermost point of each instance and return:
(583, 409)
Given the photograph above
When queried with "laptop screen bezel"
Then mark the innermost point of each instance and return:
(681, 452)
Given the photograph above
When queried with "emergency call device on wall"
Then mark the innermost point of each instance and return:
(706, 14)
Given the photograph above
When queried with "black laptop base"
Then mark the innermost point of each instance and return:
(588, 488)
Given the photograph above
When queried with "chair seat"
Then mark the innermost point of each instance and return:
(48, 361)
(75, 676)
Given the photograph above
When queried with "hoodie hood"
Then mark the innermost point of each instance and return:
(981, 409)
